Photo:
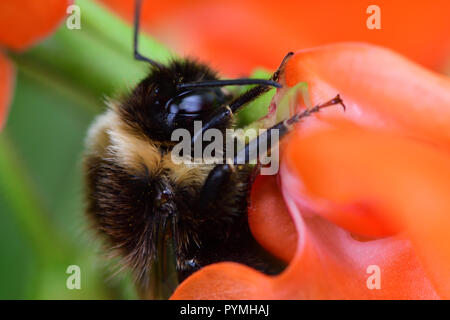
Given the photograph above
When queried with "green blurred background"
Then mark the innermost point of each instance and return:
(60, 87)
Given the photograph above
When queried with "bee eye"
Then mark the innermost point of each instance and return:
(195, 102)
(190, 105)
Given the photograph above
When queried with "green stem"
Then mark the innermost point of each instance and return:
(18, 191)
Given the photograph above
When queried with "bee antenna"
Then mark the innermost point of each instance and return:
(232, 82)
(137, 55)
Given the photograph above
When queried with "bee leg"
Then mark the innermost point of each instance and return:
(255, 92)
(223, 201)
(217, 178)
(224, 115)
(249, 152)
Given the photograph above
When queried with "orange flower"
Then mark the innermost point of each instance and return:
(22, 24)
(367, 190)
(236, 36)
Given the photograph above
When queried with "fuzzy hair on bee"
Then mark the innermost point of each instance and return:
(137, 196)
(165, 220)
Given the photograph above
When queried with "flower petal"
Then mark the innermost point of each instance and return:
(379, 87)
(281, 241)
(224, 280)
(403, 180)
(24, 22)
(384, 91)
(6, 87)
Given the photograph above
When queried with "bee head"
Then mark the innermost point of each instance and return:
(160, 104)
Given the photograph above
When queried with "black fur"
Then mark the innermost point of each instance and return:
(145, 109)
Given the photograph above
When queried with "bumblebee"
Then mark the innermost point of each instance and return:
(167, 220)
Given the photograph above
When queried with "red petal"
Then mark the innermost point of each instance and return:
(403, 181)
(282, 239)
(24, 22)
(6, 87)
(402, 184)
(225, 280)
(379, 87)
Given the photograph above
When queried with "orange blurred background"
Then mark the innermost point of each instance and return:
(236, 36)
